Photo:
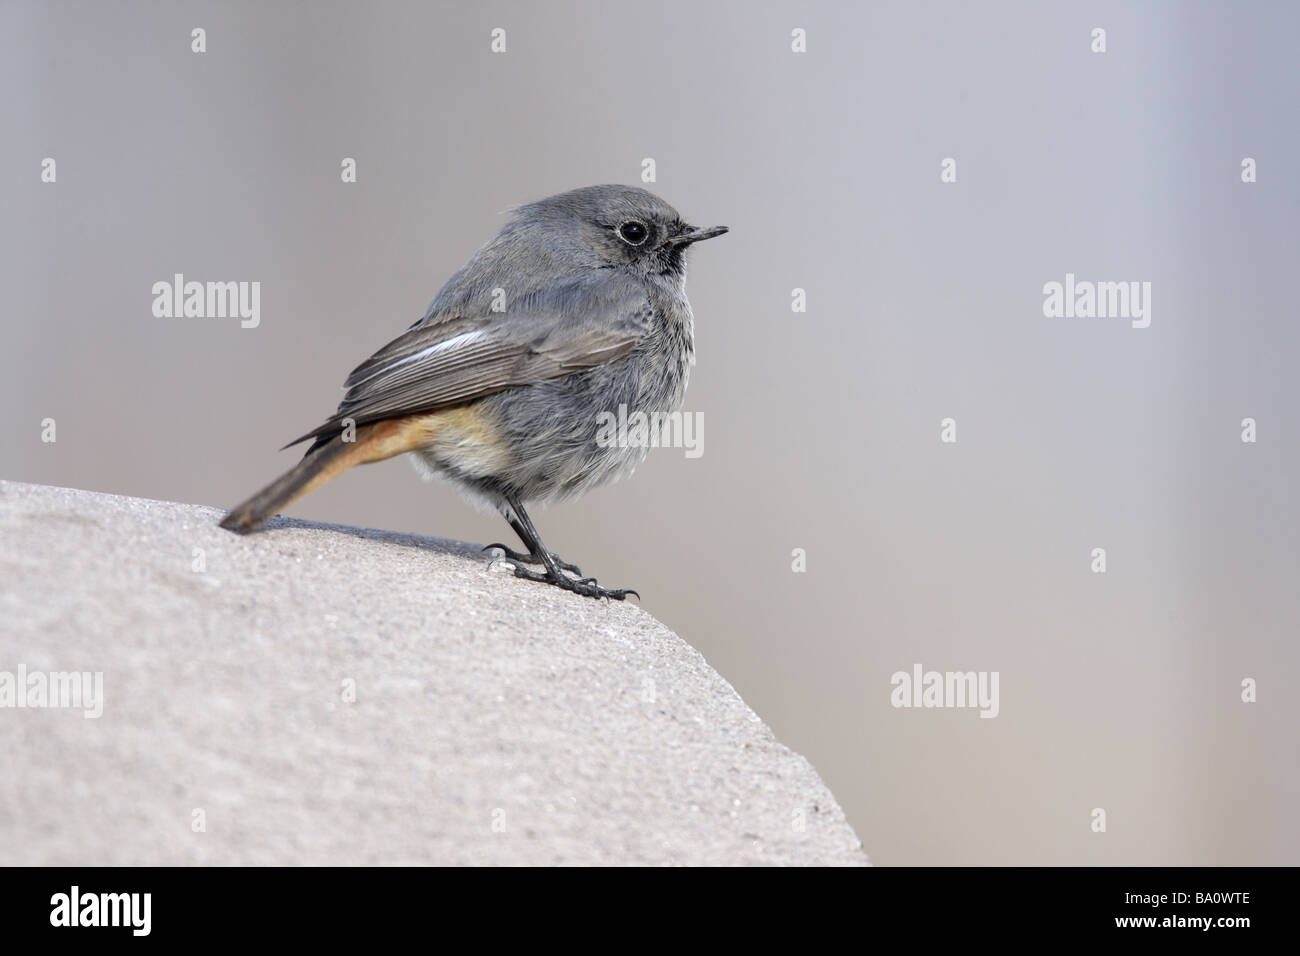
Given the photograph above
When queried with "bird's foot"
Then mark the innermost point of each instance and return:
(587, 587)
(518, 557)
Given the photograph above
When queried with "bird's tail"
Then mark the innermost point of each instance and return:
(374, 442)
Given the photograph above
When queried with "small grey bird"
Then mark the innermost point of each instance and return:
(577, 307)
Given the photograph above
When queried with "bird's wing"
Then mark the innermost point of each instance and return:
(560, 328)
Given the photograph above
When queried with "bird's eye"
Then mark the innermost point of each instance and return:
(633, 233)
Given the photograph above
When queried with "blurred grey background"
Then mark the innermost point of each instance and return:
(1119, 690)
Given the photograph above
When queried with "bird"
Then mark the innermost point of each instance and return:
(576, 307)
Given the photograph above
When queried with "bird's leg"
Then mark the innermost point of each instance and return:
(538, 554)
(533, 558)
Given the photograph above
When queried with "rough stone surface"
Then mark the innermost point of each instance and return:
(495, 721)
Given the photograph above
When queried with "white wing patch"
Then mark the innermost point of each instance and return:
(465, 338)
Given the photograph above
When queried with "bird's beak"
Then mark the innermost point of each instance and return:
(695, 234)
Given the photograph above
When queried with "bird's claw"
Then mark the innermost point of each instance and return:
(587, 587)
